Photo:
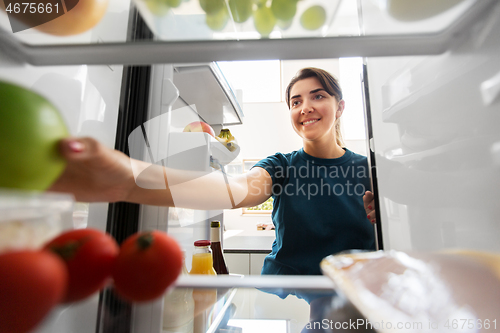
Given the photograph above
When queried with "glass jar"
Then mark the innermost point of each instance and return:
(202, 262)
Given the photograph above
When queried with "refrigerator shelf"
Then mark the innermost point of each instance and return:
(99, 46)
(222, 302)
(313, 282)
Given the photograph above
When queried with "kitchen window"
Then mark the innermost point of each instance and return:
(259, 80)
(264, 208)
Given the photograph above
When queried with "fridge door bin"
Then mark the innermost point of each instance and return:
(198, 152)
(189, 151)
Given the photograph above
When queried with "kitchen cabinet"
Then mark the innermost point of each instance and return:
(245, 254)
(238, 263)
(256, 262)
(245, 263)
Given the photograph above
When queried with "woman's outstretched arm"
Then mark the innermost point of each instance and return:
(96, 173)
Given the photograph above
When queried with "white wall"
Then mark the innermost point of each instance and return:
(266, 130)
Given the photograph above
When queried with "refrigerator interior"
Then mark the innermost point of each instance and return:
(433, 110)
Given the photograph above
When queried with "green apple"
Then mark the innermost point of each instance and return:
(30, 129)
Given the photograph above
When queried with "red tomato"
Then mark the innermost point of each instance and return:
(89, 256)
(31, 284)
(148, 263)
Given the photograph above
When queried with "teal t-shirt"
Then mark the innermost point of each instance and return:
(317, 210)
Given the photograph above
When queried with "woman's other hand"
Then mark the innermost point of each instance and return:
(94, 172)
(369, 204)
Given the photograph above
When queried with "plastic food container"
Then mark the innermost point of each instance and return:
(420, 291)
(190, 21)
(29, 219)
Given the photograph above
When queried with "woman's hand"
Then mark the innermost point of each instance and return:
(94, 172)
(369, 204)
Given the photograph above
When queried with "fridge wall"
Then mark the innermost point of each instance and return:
(87, 96)
(436, 139)
(88, 99)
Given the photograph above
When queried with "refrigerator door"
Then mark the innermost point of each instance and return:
(178, 96)
(436, 143)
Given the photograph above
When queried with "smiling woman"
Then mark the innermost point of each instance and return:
(316, 105)
(318, 192)
(322, 202)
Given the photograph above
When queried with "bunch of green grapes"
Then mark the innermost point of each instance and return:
(218, 20)
(284, 10)
(264, 20)
(212, 6)
(241, 10)
(266, 14)
(161, 7)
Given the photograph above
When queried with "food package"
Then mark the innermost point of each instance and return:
(447, 291)
(29, 219)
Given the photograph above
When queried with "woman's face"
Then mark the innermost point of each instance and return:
(313, 110)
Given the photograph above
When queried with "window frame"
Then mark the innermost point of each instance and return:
(252, 212)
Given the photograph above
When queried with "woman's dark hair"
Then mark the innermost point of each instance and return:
(328, 82)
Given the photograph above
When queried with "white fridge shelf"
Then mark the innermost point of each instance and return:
(402, 40)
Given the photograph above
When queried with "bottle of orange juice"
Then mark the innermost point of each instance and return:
(202, 262)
